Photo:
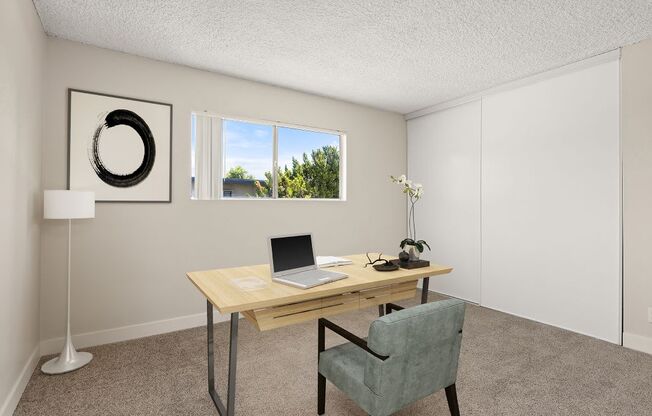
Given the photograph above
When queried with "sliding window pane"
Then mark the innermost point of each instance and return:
(248, 157)
(308, 164)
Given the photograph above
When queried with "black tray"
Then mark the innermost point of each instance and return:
(411, 264)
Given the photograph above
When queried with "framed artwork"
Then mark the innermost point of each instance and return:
(119, 147)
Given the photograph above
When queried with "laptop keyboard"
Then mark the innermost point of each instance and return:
(311, 275)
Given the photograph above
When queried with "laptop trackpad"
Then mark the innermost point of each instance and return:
(324, 278)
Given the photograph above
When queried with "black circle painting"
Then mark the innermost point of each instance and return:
(121, 117)
(120, 148)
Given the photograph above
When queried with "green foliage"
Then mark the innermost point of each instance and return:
(418, 244)
(238, 172)
(316, 176)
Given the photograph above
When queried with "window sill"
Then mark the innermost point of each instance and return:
(273, 199)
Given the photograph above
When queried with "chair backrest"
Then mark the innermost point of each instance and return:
(423, 345)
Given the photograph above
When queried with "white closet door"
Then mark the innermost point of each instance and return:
(551, 201)
(444, 155)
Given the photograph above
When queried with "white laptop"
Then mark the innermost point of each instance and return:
(292, 260)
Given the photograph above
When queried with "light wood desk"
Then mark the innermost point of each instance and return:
(269, 305)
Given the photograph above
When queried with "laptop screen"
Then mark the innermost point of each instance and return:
(292, 252)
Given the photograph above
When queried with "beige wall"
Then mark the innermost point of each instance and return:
(637, 191)
(129, 262)
(22, 47)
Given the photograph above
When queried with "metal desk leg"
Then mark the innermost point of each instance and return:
(424, 290)
(229, 409)
(424, 296)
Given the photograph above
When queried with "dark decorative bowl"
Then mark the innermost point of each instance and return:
(386, 267)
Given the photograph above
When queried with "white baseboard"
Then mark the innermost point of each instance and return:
(529, 318)
(438, 292)
(125, 333)
(637, 342)
(11, 401)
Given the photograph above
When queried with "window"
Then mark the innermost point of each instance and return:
(308, 164)
(248, 155)
(236, 159)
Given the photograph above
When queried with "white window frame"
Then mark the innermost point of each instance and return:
(220, 156)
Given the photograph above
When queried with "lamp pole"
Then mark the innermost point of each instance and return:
(69, 359)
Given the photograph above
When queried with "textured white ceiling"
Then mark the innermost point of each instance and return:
(396, 55)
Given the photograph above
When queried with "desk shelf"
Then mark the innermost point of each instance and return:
(294, 313)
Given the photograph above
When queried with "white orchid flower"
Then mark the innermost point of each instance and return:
(411, 188)
(414, 191)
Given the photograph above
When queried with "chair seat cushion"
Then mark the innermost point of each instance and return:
(344, 366)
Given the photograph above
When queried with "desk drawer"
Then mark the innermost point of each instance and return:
(387, 294)
(294, 313)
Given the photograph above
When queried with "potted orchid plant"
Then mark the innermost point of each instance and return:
(414, 247)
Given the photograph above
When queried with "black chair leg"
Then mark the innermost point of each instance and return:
(451, 396)
(321, 380)
(321, 394)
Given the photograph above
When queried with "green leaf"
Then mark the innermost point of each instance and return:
(238, 172)
(424, 243)
(313, 175)
(407, 241)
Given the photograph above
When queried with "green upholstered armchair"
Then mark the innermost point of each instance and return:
(408, 355)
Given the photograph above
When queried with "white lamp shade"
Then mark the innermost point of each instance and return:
(68, 204)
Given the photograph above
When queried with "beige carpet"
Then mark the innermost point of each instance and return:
(508, 366)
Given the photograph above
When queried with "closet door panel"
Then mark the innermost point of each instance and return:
(444, 156)
(551, 201)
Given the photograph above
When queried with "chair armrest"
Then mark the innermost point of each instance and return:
(355, 340)
(393, 307)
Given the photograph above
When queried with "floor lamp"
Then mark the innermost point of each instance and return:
(68, 205)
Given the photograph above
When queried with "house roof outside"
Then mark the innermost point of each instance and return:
(238, 181)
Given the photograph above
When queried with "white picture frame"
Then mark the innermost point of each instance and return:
(119, 147)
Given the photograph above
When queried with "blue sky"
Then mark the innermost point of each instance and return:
(251, 145)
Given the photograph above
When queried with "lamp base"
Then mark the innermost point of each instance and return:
(61, 364)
